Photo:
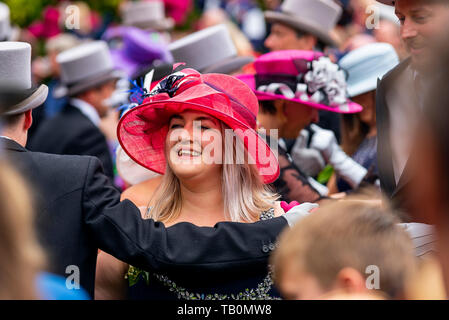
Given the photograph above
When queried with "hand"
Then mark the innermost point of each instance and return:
(310, 160)
(323, 141)
(299, 212)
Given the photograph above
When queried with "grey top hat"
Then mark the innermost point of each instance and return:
(5, 25)
(17, 94)
(210, 50)
(147, 15)
(317, 17)
(84, 67)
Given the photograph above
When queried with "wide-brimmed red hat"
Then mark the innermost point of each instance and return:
(143, 129)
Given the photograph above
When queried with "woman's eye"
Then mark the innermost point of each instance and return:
(204, 128)
(175, 126)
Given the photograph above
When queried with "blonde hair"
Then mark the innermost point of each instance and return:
(348, 234)
(245, 196)
(21, 258)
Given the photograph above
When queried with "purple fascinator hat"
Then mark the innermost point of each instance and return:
(139, 49)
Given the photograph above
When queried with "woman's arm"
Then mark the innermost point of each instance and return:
(110, 283)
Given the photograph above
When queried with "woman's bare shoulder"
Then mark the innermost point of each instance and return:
(141, 193)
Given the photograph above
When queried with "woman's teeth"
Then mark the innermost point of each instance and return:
(190, 153)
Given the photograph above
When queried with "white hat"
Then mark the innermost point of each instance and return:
(85, 66)
(367, 64)
(317, 17)
(17, 94)
(387, 12)
(146, 15)
(210, 50)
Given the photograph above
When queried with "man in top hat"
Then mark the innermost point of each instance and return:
(400, 93)
(78, 210)
(88, 79)
(303, 25)
(306, 25)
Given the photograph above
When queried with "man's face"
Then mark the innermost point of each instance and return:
(423, 22)
(283, 37)
(298, 117)
(103, 93)
(290, 118)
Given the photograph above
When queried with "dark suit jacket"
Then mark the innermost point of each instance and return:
(394, 191)
(71, 132)
(79, 211)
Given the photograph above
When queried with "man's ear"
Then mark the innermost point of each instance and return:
(28, 120)
(308, 41)
(350, 280)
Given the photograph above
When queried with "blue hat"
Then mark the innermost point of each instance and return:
(367, 64)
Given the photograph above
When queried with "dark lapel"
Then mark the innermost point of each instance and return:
(384, 153)
(11, 145)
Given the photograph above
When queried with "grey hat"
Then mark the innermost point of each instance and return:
(85, 66)
(317, 17)
(17, 94)
(210, 50)
(147, 15)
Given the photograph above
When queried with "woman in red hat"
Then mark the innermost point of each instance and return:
(199, 131)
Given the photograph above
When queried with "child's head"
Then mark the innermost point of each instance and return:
(344, 248)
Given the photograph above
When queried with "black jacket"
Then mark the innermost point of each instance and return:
(394, 191)
(79, 211)
(71, 132)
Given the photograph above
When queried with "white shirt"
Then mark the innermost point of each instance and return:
(87, 109)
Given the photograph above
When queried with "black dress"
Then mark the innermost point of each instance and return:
(215, 284)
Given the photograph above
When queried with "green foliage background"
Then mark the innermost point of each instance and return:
(24, 12)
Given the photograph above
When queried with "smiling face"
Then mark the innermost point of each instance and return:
(194, 145)
(422, 24)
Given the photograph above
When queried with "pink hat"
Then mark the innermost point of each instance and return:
(143, 129)
(306, 77)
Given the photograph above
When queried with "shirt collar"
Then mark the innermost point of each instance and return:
(87, 109)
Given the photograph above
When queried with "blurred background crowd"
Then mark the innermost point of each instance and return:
(97, 58)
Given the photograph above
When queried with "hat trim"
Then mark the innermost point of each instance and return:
(37, 98)
(352, 107)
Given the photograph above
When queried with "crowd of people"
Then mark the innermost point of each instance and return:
(289, 149)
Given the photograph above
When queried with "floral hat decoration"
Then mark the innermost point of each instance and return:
(143, 128)
(306, 77)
